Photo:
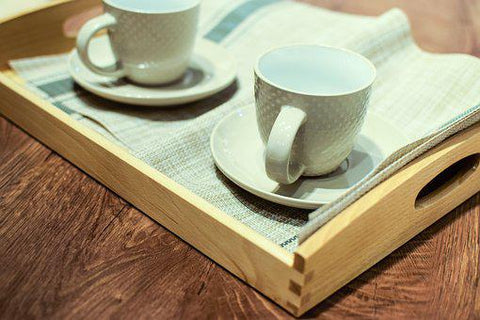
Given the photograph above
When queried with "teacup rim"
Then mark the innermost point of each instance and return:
(259, 74)
(195, 3)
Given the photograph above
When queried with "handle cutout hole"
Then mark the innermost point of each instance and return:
(447, 180)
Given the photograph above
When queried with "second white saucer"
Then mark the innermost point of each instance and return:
(212, 69)
(238, 152)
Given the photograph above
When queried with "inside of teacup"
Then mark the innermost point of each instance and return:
(149, 6)
(316, 70)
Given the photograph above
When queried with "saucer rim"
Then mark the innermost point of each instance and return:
(280, 199)
(172, 100)
(268, 196)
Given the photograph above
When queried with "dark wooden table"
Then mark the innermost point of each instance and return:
(69, 248)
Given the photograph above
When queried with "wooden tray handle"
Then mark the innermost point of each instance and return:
(444, 183)
(445, 178)
(387, 217)
(50, 29)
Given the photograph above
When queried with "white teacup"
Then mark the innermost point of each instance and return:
(152, 40)
(311, 103)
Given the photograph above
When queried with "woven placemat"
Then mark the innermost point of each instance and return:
(428, 96)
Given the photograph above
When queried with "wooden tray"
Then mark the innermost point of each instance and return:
(353, 241)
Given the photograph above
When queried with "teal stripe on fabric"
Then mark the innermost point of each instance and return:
(216, 34)
(63, 107)
(460, 116)
(58, 87)
(234, 18)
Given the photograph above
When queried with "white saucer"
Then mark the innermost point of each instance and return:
(238, 152)
(212, 69)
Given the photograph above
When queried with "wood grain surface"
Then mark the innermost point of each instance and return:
(69, 248)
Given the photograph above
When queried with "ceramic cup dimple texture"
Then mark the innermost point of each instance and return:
(153, 48)
(329, 114)
(152, 41)
(328, 135)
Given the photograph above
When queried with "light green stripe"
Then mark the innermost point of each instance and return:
(460, 116)
(63, 107)
(216, 34)
(58, 87)
(235, 18)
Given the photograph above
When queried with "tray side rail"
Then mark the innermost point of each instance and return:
(250, 256)
(387, 217)
(43, 31)
(247, 254)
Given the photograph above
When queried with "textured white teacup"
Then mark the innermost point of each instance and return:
(152, 40)
(311, 103)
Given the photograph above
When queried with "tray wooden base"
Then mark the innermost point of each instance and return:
(361, 235)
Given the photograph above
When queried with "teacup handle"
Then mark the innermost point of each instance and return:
(280, 144)
(84, 37)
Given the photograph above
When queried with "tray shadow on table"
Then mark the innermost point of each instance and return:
(396, 257)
